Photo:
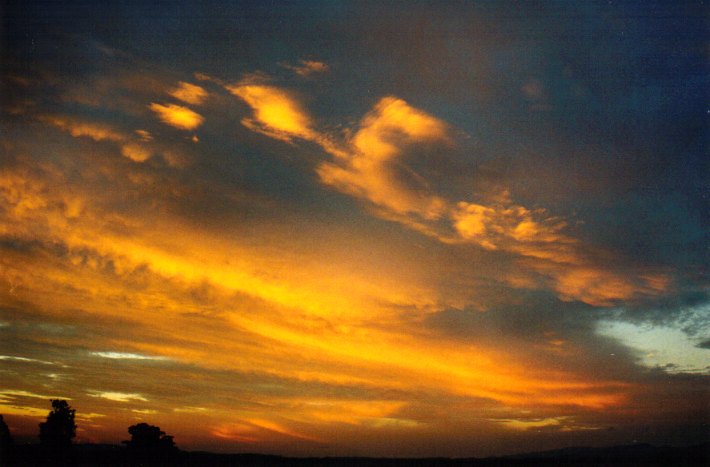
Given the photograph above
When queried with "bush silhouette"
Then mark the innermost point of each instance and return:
(59, 429)
(149, 442)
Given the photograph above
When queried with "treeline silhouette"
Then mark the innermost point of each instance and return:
(150, 446)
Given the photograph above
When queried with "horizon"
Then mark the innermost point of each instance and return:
(333, 228)
(25, 441)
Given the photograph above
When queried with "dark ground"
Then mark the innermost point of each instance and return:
(111, 455)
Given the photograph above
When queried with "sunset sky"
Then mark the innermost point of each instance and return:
(357, 228)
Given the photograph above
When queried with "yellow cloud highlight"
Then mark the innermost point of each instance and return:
(189, 93)
(277, 113)
(177, 116)
(510, 227)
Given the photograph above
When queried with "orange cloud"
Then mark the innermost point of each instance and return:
(95, 131)
(136, 152)
(276, 112)
(286, 315)
(510, 227)
(177, 116)
(130, 148)
(371, 167)
(189, 93)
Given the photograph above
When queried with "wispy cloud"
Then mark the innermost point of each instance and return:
(20, 393)
(127, 356)
(118, 396)
(25, 359)
(307, 67)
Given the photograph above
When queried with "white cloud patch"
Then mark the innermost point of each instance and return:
(25, 359)
(665, 347)
(5, 393)
(118, 396)
(127, 356)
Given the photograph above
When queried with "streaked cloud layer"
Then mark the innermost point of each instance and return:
(355, 245)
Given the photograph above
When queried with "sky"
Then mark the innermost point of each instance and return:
(357, 228)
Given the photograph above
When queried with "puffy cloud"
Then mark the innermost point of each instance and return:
(177, 116)
(513, 227)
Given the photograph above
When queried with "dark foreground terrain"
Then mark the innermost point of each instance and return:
(110, 455)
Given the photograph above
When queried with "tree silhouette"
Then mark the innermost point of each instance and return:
(149, 442)
(59, 429)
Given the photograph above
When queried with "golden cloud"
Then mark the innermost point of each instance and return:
(95, 131)
(370, 165)
(277, 113)
(189, 93)
(177, 116)
(136, 152)
(285, 315)
(130, 148)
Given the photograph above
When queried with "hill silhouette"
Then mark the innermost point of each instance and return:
(150, 446)
(627, 455)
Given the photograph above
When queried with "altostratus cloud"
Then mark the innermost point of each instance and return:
(368, 164)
